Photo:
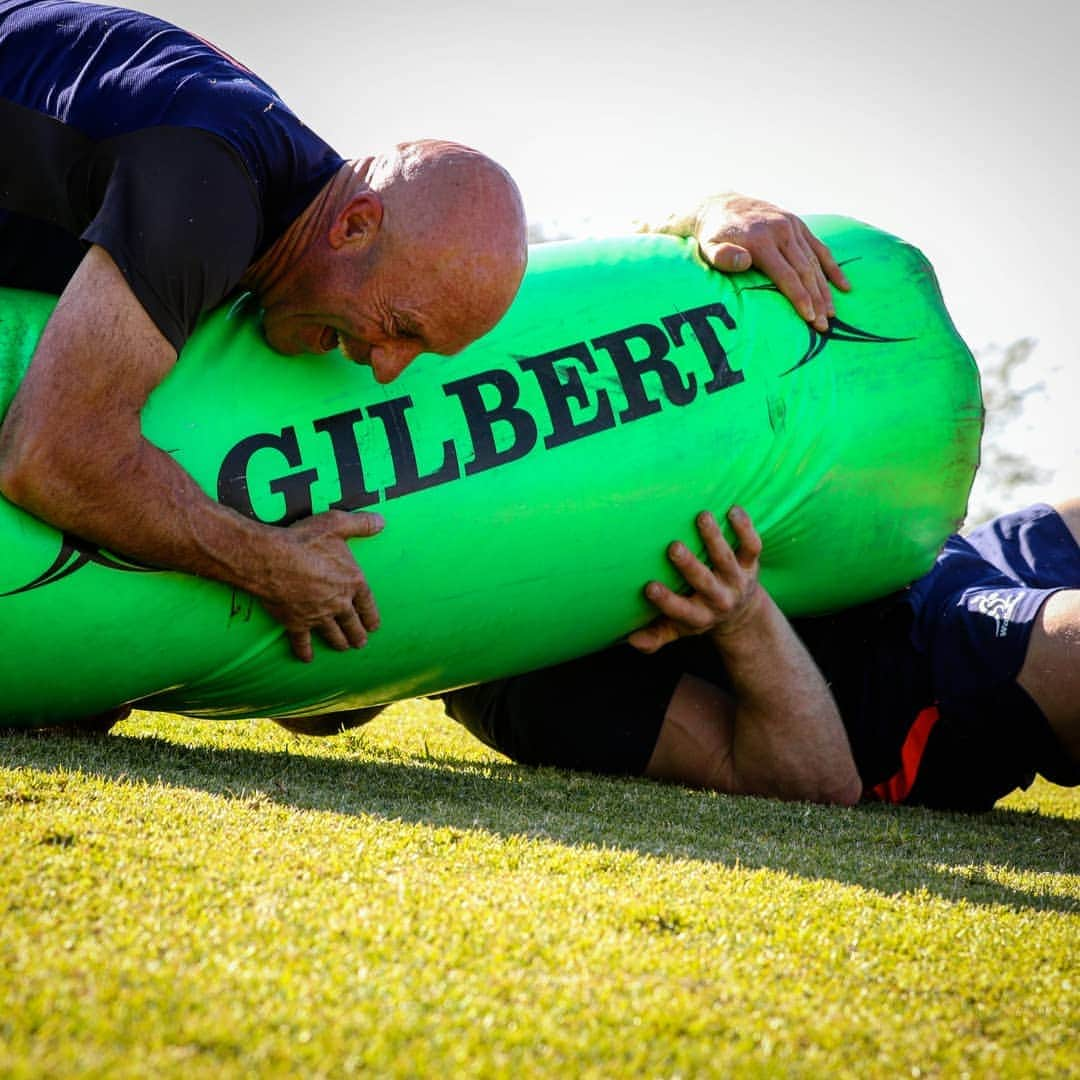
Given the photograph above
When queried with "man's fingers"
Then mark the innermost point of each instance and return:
(358, 524)
(724, 557)
(300, 642)
(320, 589)
(794, 269)
(731, 258)
(365, 607)
(829, 270)
(330, 631)
(816, 282)
(804, 263)
(726, 561)
(831, 267)
(689, 612)
(721, 594)
(346, 631)
(719, 590)
(351, 626)
(749, 546)
(779, 244)
(721, 557)
(777, 266)
(655, 636)
(703, 580)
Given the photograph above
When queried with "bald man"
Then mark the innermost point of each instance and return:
(155, 175)
(146, 176)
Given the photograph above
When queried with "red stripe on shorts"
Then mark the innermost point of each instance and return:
(897, 789)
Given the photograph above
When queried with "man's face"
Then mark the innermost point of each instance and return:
(383, 310)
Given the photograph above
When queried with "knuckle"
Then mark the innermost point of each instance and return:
(782, 226)
(755, 229)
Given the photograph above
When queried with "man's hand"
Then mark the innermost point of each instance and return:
(318, 587)
(724, 597)
(735, 232)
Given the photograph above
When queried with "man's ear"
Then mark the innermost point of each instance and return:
(358, 222)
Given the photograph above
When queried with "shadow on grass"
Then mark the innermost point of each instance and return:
(891, 850)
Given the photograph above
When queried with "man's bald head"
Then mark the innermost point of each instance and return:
(463, 211)
(433, 183)
(420, 248)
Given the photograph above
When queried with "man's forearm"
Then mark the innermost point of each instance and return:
(787, 737)
(138, 501)
(71, 444)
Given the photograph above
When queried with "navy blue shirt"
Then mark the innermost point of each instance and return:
(123, 130)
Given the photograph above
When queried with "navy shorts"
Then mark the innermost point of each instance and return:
(975, 610)
(973, 616)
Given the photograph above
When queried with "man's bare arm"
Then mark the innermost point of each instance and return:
(778, 733)
(73, 454)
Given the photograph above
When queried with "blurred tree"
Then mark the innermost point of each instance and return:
(544, 232)
(1004, 467)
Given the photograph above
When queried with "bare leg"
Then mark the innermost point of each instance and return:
(695, 743)
(1069, 510)
(1051, 671)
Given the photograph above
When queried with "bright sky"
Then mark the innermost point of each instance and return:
(953, 123)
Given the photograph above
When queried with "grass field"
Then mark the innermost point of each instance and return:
(202, 899)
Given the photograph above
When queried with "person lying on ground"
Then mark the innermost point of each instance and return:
(950, 693)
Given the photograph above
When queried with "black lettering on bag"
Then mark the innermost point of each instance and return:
(342, 431)
(482, 418)
(403, 453)
(698, 321)
(295, 488)
(560, 386)
(632, 371)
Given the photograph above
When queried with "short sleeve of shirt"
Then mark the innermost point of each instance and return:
(180, 217)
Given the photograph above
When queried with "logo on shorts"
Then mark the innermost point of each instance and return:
(999, 607)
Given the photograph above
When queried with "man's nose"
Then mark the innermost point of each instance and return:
(389, 361)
